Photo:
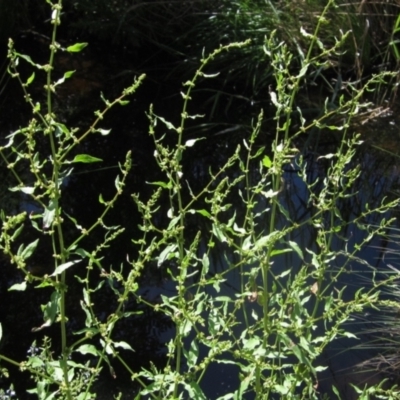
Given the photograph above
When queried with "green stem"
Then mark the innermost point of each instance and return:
(56, 196)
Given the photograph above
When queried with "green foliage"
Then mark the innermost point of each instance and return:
(282, 318)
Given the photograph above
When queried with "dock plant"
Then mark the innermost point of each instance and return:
(275, 326)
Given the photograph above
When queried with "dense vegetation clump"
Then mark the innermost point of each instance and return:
(222, 241)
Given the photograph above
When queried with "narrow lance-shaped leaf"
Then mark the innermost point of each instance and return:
(61, 268)
(28, 251)
(123, 345)
(67, 75)
(28, 59)
(86, 158)
(30, 79)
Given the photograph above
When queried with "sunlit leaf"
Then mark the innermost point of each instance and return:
(86, 158)
(35, 362)
(61, 128)
(218, 233)
(296, 248)
(206, 264)
(166, 123)
(18, 286)
(28, 59)
(103, 132)
(30, 79)
(204, 213)
(68, 74)
(267, 162)
(350, 335)
(123, 345)
(50, 311)
(23, 189)
(191, 142)
(166, 253)
(28, 251)
(327, 156)
(101, 200)
(210, 75)
(88, 349)
(251, 343)
(162, 184)
(49, 213)
(77, 47)
(61, 268)
(193, 354)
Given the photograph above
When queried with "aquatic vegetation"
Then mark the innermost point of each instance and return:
(273, 326)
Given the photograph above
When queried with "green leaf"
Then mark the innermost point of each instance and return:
(35, 362)
(218, 233)
(334, 389)
(277, 252)
(30, 79)
(173, 222)
(194, 391)
(263, 241)
(61, 268)
(86, 158)
(23, 189)
(28, 59)
(17, 232)
(74, 221)
(61, 128)
(18, 286)
(204, 213)
(303, 71)
(267, 162)
(28, 251)
(162, 184)
(193, 354)
(1, 331)
(166, 123)
(77, 47)
(88, 349)
(296, 248)
(101, 200)
(50, 311)
(166, 253)
(49, 213)
(251, 343)
(123, 345)
(206, 264)
(350, 335)
(68, 74)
